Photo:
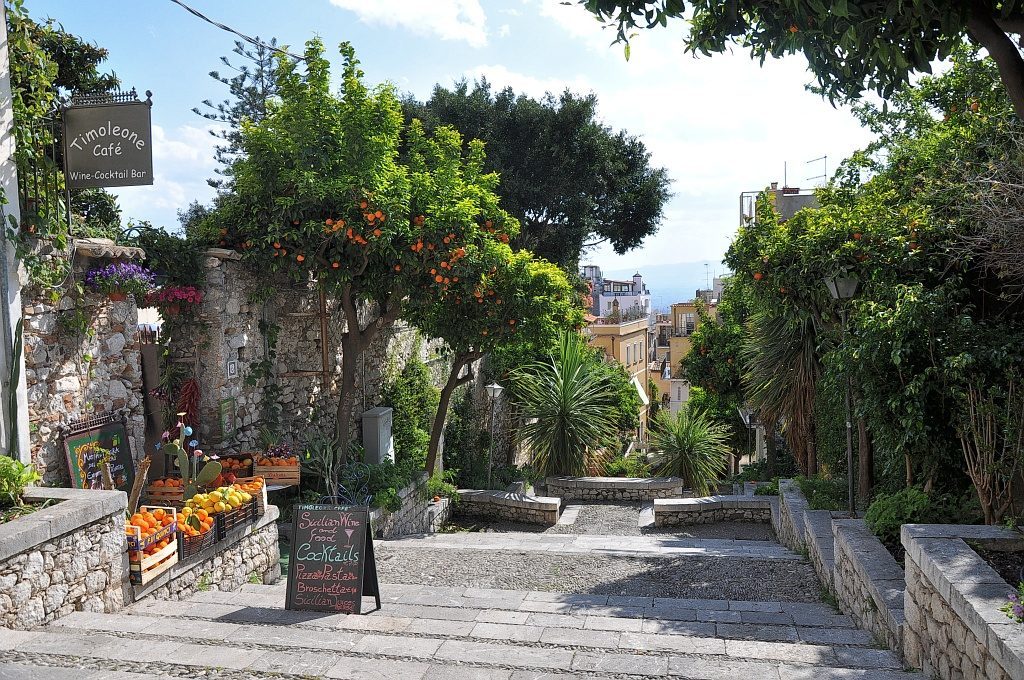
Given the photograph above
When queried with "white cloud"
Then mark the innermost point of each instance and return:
(182, 162)
(448, 19)
(579, 23)
(504, 30)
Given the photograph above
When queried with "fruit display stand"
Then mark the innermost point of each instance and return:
(144, 567)
(279, 472)
(232, 519)
(189, 546)
(239, 464)
(259, 495)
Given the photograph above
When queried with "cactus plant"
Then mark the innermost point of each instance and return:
(192, 480)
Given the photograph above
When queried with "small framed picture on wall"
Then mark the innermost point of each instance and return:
(232, 369)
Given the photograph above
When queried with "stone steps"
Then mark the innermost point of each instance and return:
(616, 546)
(425, 632)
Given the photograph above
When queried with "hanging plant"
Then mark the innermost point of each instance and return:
(121, 279)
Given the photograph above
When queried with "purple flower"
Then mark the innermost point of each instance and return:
(1018, 611)
(122, 277)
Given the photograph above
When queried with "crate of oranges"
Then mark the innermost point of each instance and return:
(196, 532)
(255, 487)
(240, 465)
(152, 548)
(166, 491)
(282, 470)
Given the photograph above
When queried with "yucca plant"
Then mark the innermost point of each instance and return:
(567, 405)
(692, 446)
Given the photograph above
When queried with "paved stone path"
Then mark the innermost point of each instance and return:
(435, 632)
(452, 633)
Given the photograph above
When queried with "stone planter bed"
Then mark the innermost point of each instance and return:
(710, 509)
(418, 514)
(613, 488)
(507, 505)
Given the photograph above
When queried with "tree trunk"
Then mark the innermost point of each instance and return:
(865, 463)
(983, 29)
(351, 351)
(434, 461)
(812, 451)
(769, 449)
(910, 470)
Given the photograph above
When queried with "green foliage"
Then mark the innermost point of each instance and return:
(381, 481)
(822, 493)
(176, 259)
(193, 480)
(443, 484)
(785, 466)
(850, 46)
(769, 489)
(626, 404)
(888, 512)
(413, 398)
(15, 476)
(466, 442)
(692, 446)
(627, 466)
(503, 476)
(567, 402)
(566, 177)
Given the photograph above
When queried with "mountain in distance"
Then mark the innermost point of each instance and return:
(669, 283)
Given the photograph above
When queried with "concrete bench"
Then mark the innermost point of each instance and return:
(708, 509)
(509, 505)
(614, 488)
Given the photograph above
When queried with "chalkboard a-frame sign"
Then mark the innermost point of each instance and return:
(331, 564)
(83, 442)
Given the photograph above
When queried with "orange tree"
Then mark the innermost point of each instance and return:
(319, 193)
(492, 299)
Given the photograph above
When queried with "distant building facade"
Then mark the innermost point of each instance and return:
(625, 299)
(627, 343)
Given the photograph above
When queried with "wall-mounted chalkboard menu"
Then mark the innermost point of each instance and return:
(88, 443)
(332, 564)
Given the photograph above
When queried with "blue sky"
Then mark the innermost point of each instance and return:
(720, 124)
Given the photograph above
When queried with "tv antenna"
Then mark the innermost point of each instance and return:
(707, 280)
(824, 171)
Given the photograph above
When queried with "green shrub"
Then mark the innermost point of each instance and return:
(381, 482)
(442, 484)
(413, 399)
(823, 494)
(632, 466)
(504, 476)
(770, 489)
(466, 442)
(785, 466)
(14, 477)
(888, 512)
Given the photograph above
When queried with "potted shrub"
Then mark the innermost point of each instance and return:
(14, 477)
(121, 279)
(171, 299)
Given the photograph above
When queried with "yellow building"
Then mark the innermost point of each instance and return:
(674, 333)
(627, 343)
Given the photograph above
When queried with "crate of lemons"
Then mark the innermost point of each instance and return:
(223, 508)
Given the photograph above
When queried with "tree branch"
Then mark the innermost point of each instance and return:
(983, 29)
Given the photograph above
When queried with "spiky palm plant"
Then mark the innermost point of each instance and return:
(567, 405)
(692, 446)
(783, 368)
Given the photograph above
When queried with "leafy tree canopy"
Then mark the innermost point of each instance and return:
(850, 45)
(571, 181)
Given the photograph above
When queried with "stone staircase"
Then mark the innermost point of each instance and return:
(451, 633)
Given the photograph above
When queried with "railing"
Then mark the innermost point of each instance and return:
(42, 195)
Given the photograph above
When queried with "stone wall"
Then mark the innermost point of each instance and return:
(232, 312)
(709, 509)
(508, 505)
(418, 514)
(68, 557)
(954, 628)
(789, 526)
(246, 553)
(868, 583)
(82, 359)
(819, 542)
(613, 488)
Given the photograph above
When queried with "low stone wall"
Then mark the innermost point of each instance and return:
(954, 628)
(789, 522)
(418, 514)
(247, 552)
(613, 488)
(868, 582)
(507, 505)
(819, 542)
(687, 511)
(64, 558)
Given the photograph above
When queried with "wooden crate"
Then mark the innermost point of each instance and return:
(166, 495)
(136, 542)
(243, 471)
(283, 475)
(145, 568)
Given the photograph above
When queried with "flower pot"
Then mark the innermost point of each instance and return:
(172, 309)
(117, 296)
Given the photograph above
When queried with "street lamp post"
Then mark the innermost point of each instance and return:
(494, 391)
(843, 288)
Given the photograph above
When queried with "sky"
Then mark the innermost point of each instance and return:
(720, 125)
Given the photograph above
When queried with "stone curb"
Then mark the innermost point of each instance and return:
(77, 508)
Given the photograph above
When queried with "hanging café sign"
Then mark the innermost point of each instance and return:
(108, 141)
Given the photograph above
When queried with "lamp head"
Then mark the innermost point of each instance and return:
(494, 390)
(842, 287)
